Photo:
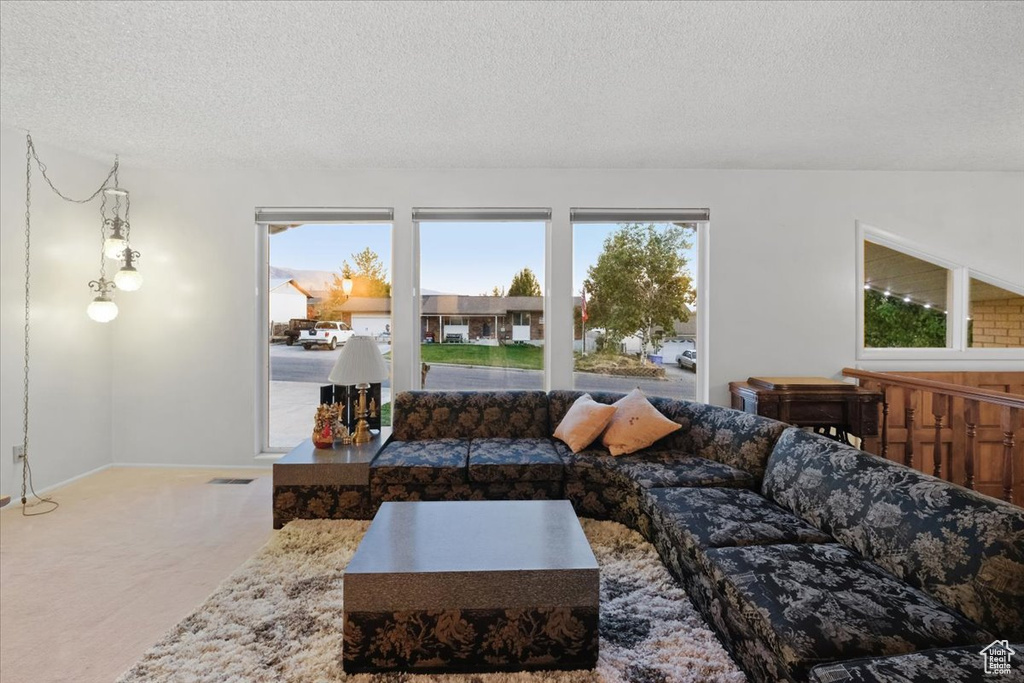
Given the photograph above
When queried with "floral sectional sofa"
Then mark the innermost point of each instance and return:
(811, 559)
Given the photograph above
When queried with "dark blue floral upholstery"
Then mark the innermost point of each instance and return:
(946, 665)
(514, 460)
(963, 548)
(499, 490)
(814, 603)
(440, 461)
(655, 469)
(699, 518)
(728, 436)
(421, 415)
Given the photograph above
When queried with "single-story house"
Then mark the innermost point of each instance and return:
(287, 300)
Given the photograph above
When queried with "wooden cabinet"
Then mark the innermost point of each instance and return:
(810, 402)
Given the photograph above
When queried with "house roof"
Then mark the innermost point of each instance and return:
(455, 304)
(277, 283)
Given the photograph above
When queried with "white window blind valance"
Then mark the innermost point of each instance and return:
(324, 215)
(496, 214)
(639, 215)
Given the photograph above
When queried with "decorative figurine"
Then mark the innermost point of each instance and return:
(322, 426)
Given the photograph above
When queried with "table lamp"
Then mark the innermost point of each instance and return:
(359, 364)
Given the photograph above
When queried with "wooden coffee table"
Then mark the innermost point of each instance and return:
(472, 586)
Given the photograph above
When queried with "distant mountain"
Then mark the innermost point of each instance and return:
(317, 280)
(307, 279)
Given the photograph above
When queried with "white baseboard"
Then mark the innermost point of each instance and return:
(16, 501)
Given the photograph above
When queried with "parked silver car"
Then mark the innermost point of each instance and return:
(687, 360)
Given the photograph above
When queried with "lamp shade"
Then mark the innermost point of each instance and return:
(360, 362)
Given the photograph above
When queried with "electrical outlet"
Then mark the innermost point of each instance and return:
(19, 454)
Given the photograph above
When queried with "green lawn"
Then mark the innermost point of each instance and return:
(521, 356)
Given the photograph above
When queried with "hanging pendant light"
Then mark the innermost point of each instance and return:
(115, 243)
(102, 309)
(128, 278)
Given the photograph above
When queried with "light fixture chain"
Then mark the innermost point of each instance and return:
(42, 169)
(103, 234)
(28, 262)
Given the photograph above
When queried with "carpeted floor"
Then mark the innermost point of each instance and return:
(279, 617)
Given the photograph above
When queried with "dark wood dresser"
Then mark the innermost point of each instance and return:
(817, 402)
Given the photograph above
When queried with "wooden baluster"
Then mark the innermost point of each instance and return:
(885, 420)
(971, 418)
(908, 411)
(939, 410)
(1009, 425)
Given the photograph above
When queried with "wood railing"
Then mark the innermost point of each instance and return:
(973, 432)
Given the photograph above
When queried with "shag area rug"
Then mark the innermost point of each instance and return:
(279, 618)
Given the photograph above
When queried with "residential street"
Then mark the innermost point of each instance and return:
(295, 364)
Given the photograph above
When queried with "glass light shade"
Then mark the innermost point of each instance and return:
(113, 247)
(128, 280)
(102, 309)
(346, 286)
(360, 362)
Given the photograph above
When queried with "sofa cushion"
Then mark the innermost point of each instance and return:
(514, 460)
(635, 424)
(583, 423)
(442, 461)
(420, 415)
(738, 439)
(700, 518)
(963, 548)
(814, 603)
(655, 469)
(945, 665)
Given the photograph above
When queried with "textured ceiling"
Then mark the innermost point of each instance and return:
(828, 85)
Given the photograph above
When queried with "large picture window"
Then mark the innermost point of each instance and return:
(635, 303)
(482, 298)
(328, 280)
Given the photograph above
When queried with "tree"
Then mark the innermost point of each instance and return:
(640, 282)
(495, 291)
(890, 322)
(369, 279)
(524, 283)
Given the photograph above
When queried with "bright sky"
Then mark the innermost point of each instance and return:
(456, 258)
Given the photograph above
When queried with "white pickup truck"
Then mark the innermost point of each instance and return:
(329, 333)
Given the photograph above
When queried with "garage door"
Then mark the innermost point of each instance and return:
(372, 325)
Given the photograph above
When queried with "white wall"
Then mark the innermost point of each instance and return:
(782, 288)
(70, 425)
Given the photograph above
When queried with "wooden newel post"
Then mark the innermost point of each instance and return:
(940, 409)
(908, 407)
(971, 418)
(1008, 423)
(885, 420)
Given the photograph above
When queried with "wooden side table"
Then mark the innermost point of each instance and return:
(325, 483)
(815, 402)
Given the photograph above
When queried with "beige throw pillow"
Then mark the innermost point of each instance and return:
(584, 422)
(636, 424)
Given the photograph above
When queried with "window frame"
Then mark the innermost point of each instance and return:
(957, 313)
(265, 217)
(496, 215)
(701, 219)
